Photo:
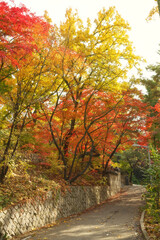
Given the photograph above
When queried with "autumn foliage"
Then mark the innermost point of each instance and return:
(65, 97)
(19, 29)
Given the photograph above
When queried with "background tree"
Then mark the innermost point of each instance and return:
(154, 10)
(158, 1)
(151, 97)
(134, 163)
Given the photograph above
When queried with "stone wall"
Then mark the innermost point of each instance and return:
(30, 215)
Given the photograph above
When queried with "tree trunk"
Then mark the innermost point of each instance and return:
(130, 179)
(110, 157)
(3, 172)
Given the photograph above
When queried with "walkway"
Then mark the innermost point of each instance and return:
(118, 219)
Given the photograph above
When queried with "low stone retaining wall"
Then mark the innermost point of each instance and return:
(34, 214)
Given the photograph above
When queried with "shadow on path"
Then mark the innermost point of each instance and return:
(114, 220)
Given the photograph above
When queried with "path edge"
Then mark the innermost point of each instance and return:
(145, 234)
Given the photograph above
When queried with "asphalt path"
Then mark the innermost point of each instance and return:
(117, 219)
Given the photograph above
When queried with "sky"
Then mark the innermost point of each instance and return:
(144, 35)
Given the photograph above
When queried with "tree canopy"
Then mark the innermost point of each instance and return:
(65, 93)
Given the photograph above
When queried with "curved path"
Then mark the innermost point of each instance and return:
(117, 219)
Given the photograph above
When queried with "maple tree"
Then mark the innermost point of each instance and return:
(103, 125)
(122, 126)
(67, 99)
(19, 28)
(22, 50)
(88, 63)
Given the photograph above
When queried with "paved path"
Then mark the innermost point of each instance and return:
(114, 220)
